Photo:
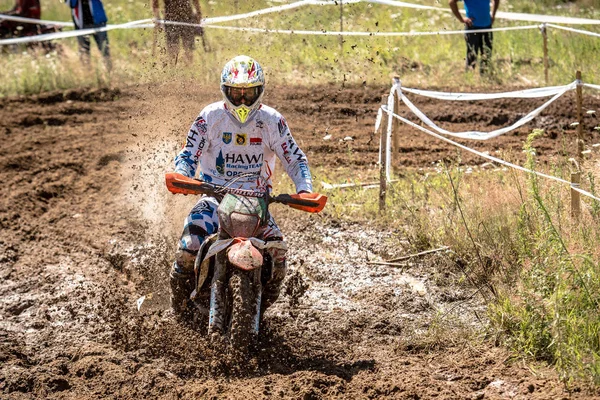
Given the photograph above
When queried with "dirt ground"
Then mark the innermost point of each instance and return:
(87, 228)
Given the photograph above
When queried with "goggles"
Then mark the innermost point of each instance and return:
(242, 95)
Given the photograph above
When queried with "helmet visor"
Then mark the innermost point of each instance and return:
(242, 95)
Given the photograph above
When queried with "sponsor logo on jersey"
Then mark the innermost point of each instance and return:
(286, 153)
(282, 125)
(294, 149)
(304, 171)
(191, 138)
(220, 163)
(241, 139)
(260, 124)
(200, 124)
(255, 141)
(200, 147)
(227, 137)
(243, 159)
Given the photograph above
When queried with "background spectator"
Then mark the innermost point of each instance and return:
(90, 14)
(479, 16)
(181, 11)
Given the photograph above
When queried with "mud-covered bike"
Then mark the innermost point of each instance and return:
(233, 265)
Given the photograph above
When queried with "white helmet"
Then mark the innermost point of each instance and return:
(242, 84)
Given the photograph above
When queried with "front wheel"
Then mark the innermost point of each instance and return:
(243, 310)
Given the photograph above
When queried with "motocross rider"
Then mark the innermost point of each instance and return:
(238, 135)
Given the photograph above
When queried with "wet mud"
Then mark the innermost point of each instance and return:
(87, 228)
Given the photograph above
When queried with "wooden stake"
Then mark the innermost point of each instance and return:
(575, 196)
(546, 63)
(579, 120)
(383, 147)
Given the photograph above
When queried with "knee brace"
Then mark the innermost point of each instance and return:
(184, 261)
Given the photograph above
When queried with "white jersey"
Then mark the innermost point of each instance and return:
(225, 148)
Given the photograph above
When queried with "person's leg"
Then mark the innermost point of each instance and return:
(172, 42)
(487, 39)
(188, 36)
(201, 222)
(278, 271)
(84, 49)
(471, 58)
(101, 39)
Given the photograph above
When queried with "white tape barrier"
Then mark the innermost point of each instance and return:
(491, 158)
(591, 86)
(478, 135)
(216, 20)
(205, 20)
(209, 21)
(500, 14)
(574, 30)
(74, 33)
(518, 94)
(348, 33)
(35, 21)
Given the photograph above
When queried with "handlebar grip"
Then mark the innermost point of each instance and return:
(309, 202)
(181, 184)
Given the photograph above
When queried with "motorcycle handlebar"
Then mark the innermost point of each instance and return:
(180, 184)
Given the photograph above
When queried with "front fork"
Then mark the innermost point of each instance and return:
(218, 302)
(217, 316)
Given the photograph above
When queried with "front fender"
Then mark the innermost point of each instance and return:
(244, 255)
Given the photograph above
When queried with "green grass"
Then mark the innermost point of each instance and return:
(538, 269)
(422, 61)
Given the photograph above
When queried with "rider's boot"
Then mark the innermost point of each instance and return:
(182, 282)
(273, 287)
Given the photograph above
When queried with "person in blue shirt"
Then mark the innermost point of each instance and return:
(480, 14)
(90, 14)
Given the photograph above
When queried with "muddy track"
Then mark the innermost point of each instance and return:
(86, 229)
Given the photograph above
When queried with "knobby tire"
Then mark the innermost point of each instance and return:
(242, 311)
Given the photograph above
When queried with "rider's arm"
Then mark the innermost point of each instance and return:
(454, 7)
(494, 10)
(293, 159)
(196, 141)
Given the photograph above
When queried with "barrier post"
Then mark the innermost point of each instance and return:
(575, 196)
(342, 26)
(579, 119)
(546, 63)
(395, 128)
(383, 147)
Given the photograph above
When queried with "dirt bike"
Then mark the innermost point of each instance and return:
(236, 257)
